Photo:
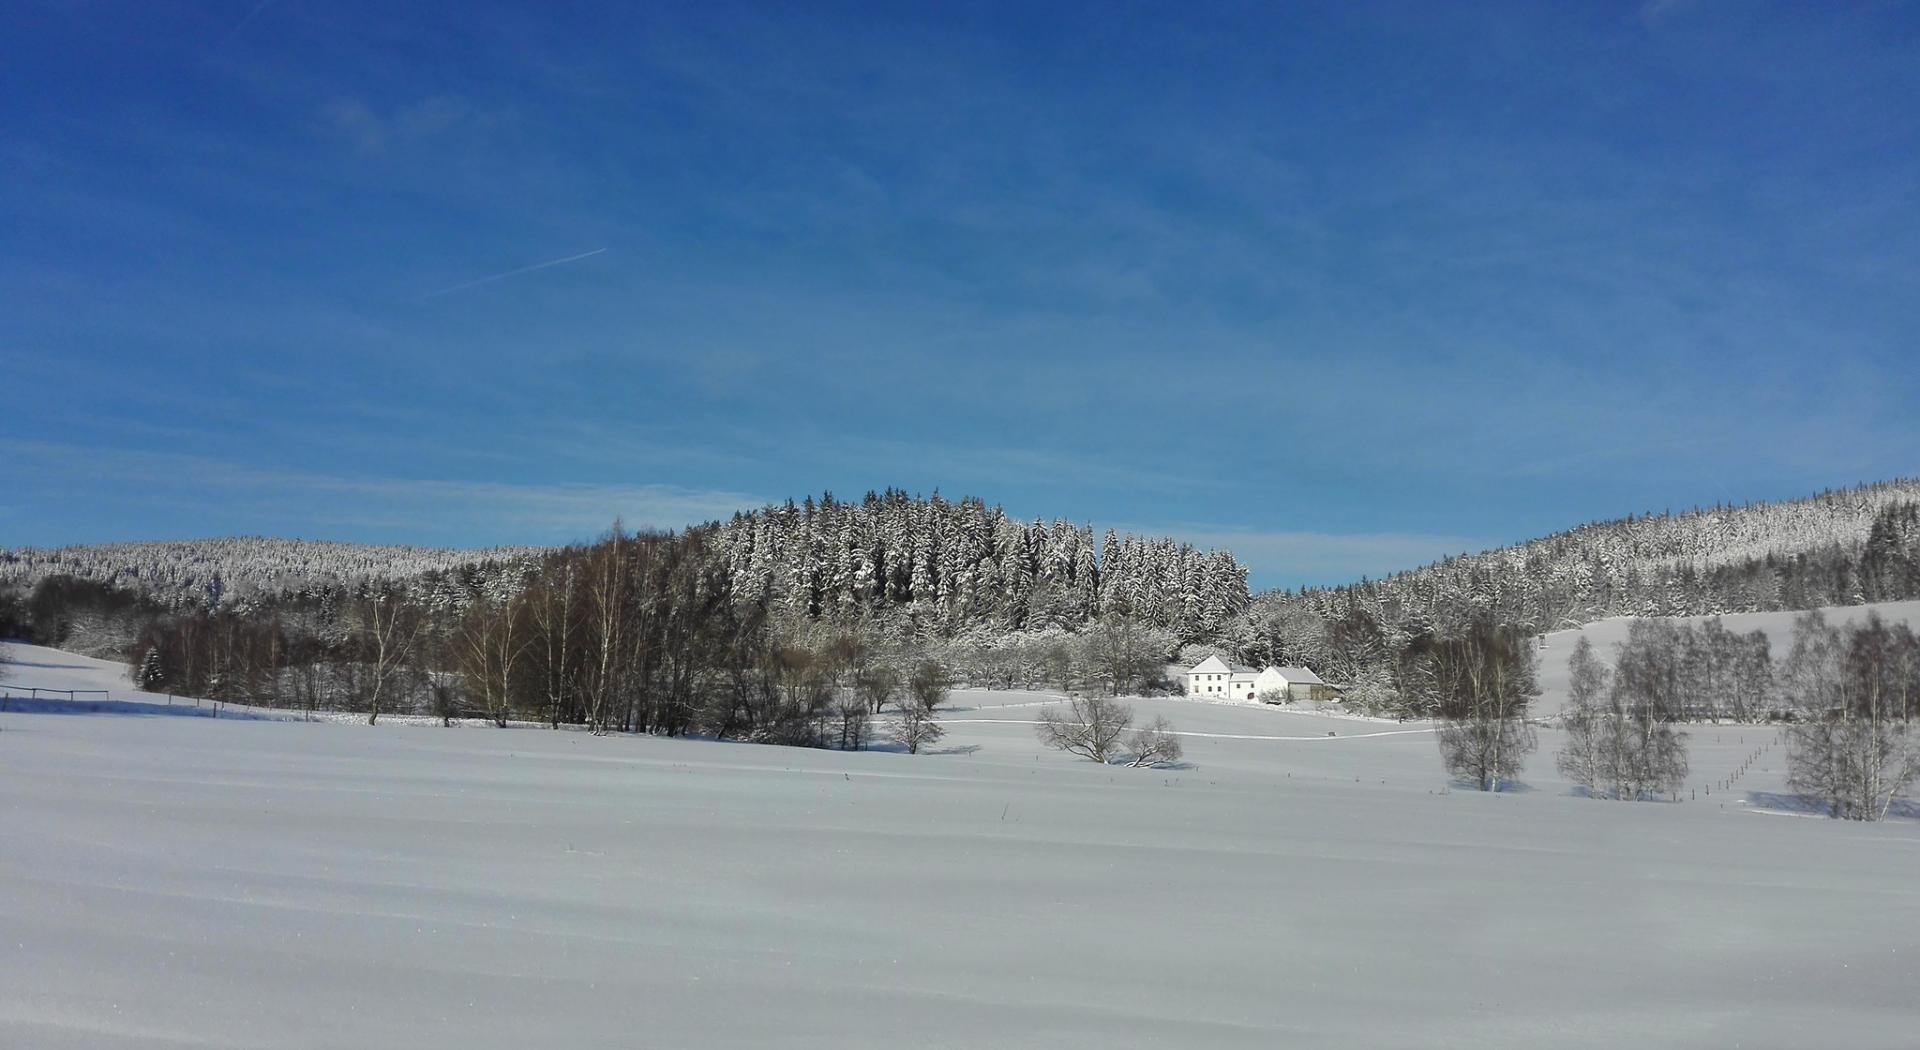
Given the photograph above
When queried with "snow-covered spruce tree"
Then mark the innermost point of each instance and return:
(150, 675)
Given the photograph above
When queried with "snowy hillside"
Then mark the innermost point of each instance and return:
(1847, 547)
(267, 884)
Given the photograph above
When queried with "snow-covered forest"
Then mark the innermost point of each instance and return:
(241, 570)
(906, 567)
(937, 568)
(1842, 547)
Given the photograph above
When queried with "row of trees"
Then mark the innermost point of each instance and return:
(639, 632)
(1859, 751)
(1621, 743)
(1854, 746)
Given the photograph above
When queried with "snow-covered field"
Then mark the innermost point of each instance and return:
(1608, 633)
(233, 883)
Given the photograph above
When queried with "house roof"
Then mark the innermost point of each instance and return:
(1214, 663)
(1300, 676)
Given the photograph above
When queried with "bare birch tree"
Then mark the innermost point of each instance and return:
(388, 630)
(1579, 760)
(1479, 682)
(488, 647)
(1857, 752)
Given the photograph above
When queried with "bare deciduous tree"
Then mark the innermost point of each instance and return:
(1155, 744)
(387, 631)
(1615, 749)
(855, 720)
(1858, 751)
(1124, 653)
(878, 685)
(929, 684)
(927, 689)
(1479, 682)
(1620, 744)
(1089, 726)
(913, 726)
(487, 648)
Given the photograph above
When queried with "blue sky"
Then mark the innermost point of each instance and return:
(1343, 287)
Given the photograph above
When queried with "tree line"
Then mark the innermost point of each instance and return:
(1850, 695)
(648, 632)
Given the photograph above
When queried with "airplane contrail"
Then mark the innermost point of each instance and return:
(513, 273)
(250, 16)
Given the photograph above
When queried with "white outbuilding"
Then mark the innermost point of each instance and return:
(1295, 683)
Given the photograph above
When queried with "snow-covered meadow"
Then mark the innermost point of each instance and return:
(239, 883)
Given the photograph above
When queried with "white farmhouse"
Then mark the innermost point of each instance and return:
(1216, 679)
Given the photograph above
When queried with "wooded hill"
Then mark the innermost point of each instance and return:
(1841, 547)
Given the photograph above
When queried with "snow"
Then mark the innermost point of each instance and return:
(1608, 633)
(230, 883)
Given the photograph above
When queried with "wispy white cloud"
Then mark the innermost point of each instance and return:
(373, 127)
(1654, 11)
(421, 508)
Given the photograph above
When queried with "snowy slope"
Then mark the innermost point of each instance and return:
(189, 882)
(1608, 633)
(37, 665)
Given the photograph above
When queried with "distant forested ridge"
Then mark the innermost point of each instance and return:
(1842, 547)
(241, 570)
